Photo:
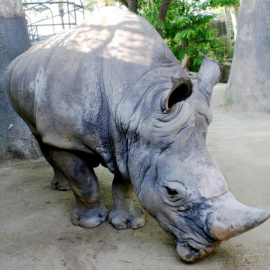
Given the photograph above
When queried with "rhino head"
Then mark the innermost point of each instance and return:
(177, 181)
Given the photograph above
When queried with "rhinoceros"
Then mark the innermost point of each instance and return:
(111, 92)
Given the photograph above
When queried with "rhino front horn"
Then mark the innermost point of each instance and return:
(232, 218)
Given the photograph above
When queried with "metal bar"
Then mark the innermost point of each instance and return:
(56, 24)
(49, 18)
(28, 18)
(60, 2)
(48, 2)
(51, 35)
(75, 17)
(41, 4)
(32, 7)
(68, 14)
(82, 8)
(37, 34)
(71, 12)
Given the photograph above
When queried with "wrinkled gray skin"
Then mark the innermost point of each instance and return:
(111, 92)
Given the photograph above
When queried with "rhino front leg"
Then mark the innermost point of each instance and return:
(89, 211)
(125, 214)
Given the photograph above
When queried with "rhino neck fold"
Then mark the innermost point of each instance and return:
(131, 105)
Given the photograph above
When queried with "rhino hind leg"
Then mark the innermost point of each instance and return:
(88, 211)
(125, 214)
(59, 181)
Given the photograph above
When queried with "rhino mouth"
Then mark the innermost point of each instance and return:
(194, 245)
(191, 251)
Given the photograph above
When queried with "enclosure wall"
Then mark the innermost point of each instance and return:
(16, 140)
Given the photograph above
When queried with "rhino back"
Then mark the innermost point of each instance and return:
(68, 88)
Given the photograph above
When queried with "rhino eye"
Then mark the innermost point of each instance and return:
(171, 192)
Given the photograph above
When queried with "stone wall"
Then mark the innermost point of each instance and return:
(16, 140)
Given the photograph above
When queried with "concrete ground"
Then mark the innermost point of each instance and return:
(36, 233)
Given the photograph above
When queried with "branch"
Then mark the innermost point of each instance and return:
(163, 9)
(132, 5)
(123, 2)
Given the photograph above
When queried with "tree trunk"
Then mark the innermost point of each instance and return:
(249, 82)
(163, 9)
(132, 5)
(228, 28)
(15, 137)
(185, 61)
(234, 15)
(11, 8)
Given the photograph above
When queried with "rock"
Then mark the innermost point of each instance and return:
(226, 68)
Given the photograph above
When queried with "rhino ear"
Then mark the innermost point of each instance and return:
(208, 76)
(180, 91)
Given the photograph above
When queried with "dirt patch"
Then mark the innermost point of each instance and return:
(36, 232)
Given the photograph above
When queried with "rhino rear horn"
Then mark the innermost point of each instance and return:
(208, 76)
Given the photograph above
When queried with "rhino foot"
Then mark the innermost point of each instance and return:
(122, 219)
(89, 217)
(60, 184)
(59, 181)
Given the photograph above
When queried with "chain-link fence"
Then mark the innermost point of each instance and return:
(16, 140)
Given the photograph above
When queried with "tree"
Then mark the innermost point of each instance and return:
(249, 82)
(187, 32)
(185, 26)
(132, 5)
(163, 10)
(15, 137)
(91, 5)
(11, 8)
(234, 10)
(163, 5)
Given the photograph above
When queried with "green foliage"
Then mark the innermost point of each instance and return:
(149, 10)
(91, 5)
(223, 3)
(187, 28)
